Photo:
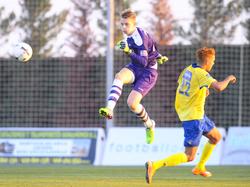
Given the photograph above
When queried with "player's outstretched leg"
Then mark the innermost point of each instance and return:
(106, 113)
(150, 171)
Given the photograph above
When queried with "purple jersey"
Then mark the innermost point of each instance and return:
(144, 49)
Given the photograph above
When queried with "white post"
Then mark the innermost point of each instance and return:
(110, 51)
(241, 84)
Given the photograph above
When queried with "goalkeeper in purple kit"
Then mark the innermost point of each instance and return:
(141, 72)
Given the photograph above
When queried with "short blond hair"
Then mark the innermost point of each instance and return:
(204, 53)
(128, 13)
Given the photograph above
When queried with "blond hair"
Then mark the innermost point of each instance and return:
(204, 53)
(128, 13)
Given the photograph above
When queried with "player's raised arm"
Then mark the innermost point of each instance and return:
(222, 85)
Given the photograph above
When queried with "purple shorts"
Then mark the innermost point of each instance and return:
(145, 78)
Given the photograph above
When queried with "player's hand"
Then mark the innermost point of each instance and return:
(162, 59)
(124, 47)
(232, 79)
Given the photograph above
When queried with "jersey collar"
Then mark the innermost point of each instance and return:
(195, 65)
(134, 34)
(136, 37)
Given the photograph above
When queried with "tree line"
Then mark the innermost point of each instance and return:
(213, 23)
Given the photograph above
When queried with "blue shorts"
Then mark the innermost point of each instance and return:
(194, 129)
(145, 78)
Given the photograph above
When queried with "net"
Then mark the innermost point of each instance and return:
(67, 92)
(52, 92)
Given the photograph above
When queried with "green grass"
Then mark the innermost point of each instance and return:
(84, 176)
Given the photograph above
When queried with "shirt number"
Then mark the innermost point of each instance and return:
(185, 85)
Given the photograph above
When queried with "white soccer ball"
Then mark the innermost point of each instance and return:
(22, 52)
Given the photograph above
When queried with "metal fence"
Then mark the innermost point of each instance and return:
(67, 92)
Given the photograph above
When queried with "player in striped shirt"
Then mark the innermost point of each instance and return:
(141, 72)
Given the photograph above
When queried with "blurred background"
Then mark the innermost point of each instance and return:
(65, 83)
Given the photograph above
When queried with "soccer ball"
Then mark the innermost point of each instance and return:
(22, 51)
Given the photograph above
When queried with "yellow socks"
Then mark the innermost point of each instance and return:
(207, 151)
(179, 158)
(172, 160)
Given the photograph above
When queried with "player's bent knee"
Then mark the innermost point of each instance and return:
(131, 105)
(217, 138)
(118, 76)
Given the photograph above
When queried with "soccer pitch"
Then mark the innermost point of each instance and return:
(84, 176)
